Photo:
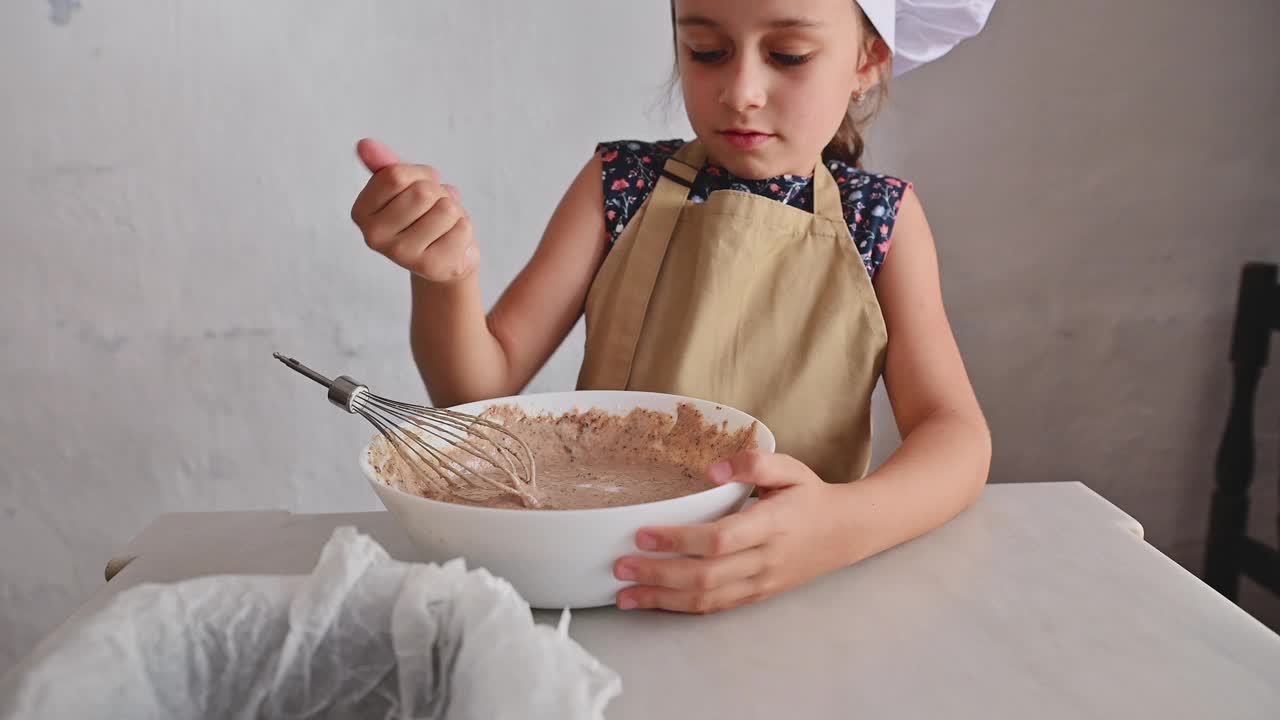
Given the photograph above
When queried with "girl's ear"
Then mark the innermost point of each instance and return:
(875, 61)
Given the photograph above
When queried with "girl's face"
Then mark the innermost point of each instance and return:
(767, 82)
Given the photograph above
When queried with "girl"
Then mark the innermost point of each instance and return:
(750, 266)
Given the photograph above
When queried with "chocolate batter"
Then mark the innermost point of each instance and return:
(593, 459)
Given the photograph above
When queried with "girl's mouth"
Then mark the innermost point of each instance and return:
(746, 139)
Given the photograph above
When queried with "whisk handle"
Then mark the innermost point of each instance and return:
(342, 389)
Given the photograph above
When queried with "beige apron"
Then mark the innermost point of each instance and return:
(745, 301)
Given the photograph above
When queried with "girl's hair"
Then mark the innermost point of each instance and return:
(848, 144)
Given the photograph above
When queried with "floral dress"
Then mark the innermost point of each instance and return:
(870, 201)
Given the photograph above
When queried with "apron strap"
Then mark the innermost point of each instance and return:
(826, 195)
(662, 211)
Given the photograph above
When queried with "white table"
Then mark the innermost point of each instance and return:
(1042, 601)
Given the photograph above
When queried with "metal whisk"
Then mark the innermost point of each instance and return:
(463, 435)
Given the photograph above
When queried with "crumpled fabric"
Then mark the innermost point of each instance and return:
(921, 31)
(362, 636)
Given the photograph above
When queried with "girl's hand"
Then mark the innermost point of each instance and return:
(790, 536)
(406, 214)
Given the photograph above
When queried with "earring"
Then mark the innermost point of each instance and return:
(858, 96)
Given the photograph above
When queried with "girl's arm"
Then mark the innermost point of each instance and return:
(464, 354)
(942, 464)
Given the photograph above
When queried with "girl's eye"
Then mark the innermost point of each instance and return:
(708, 56)
(785, 59)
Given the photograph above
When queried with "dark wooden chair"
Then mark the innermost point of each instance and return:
(1230, 552)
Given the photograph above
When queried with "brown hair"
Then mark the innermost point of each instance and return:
(848, 143)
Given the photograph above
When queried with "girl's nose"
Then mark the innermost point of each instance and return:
(744, 84)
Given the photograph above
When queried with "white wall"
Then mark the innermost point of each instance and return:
(177, 176)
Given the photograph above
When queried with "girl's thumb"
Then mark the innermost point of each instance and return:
(375, 155)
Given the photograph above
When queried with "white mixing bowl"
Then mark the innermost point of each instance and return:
(561, 558)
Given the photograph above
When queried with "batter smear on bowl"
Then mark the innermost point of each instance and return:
(591, 459)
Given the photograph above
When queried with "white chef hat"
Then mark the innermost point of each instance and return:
(920, 31)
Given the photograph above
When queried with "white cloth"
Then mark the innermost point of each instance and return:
(362, 636)
(921, 31)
